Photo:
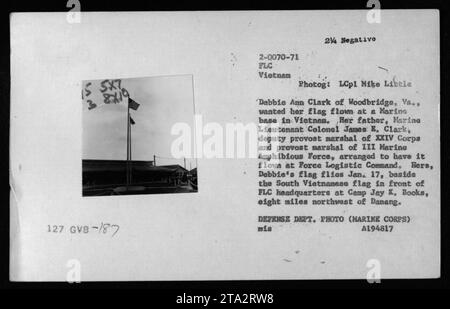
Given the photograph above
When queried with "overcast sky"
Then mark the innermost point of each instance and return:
(163, 102)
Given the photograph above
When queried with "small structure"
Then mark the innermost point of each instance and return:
(193, 178)
(111, 174)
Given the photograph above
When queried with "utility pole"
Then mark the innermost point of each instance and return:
(154, 160)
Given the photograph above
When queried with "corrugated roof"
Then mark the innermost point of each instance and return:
(120, 166)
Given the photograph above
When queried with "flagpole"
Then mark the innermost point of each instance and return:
(131, 158)
(128, 143)
(134, 105)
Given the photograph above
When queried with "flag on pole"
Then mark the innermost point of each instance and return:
(132, 104)
(132, 121)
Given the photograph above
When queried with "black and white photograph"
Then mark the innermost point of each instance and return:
(193, 148)
(127, 136)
